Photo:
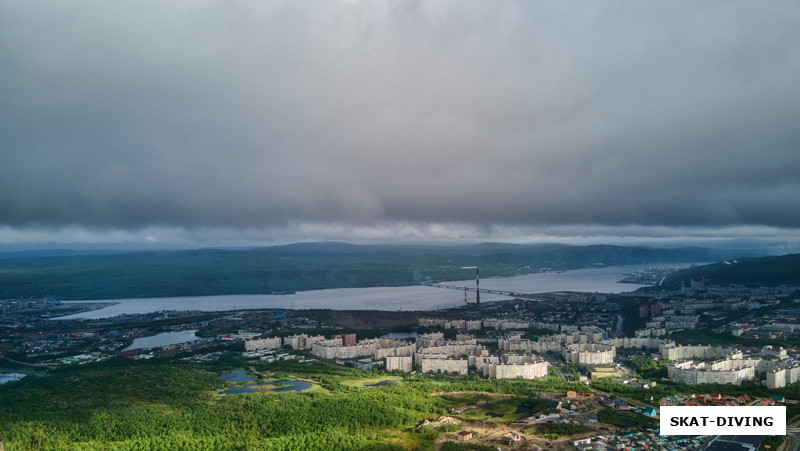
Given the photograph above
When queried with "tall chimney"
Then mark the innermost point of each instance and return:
(477, 286)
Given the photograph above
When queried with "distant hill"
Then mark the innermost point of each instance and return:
(784, 269)
(303, 266)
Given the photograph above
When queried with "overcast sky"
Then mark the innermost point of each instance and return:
(224, 122)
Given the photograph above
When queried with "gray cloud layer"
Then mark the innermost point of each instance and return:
(126, 115)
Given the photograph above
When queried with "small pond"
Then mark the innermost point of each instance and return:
(236, 376)
(9, 377)
(239, 390)
(241, 376)
(163, 339)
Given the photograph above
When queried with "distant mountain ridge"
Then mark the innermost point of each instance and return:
(303, 266)
(774, 270)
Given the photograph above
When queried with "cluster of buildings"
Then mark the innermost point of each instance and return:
(559, 312)
(671, 311)
(518, 355)
(724, 365)
(512, 367)
(777, 324)
(647, 439)
(724, 371)
(377, 348)
(694, 364)
(476, 324)
(716, 399)
(589, 353)
(430, 353)
(701, 364)
(8, 306)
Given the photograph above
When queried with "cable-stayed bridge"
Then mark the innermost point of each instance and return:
(483, 290)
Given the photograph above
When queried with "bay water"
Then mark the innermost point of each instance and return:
(409, 298)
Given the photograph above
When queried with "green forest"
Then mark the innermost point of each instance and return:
(127, 405)
(123, 404)
(776, 270)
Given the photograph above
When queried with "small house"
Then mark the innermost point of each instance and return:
(620, 404)
(464, 435)
(509, 439)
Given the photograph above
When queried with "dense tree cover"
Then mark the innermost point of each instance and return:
(288, 421)
(128, 405)
(124, 405)
(573, 371)
(625, 419)
(524, 387)
(649, 368)
(773, 270)
(553, 431)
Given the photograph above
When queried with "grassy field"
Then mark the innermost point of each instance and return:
(373, 382)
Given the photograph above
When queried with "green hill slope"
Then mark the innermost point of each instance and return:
(779, 270)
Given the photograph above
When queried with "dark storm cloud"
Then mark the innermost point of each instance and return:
(122, 115)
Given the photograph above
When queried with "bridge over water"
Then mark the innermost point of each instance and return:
(500, 292)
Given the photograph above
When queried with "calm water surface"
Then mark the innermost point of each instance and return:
(236, 376)
(163, 339)
(241, 376)
(239, 390)
(9, 377)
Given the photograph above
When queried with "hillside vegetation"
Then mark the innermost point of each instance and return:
(125, 405)
(784, 269)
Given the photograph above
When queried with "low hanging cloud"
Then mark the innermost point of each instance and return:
(130, 115)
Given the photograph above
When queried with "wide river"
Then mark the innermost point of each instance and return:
(419, 297)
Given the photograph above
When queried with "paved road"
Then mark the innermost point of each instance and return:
(29, 365)
(792, 442)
